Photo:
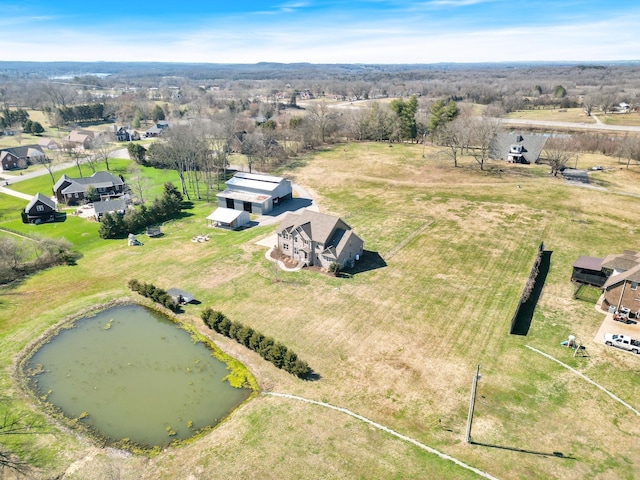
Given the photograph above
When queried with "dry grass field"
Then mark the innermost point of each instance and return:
(573, 115)
(398, 343)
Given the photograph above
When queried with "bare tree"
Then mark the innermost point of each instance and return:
(48, 162)
(482, 130)
(75, 155)
(588, 104)
(629, 148)
(454, 136)
(323, 120)
(138, 183)
(557, 153)
(102, 150)
(14, 426)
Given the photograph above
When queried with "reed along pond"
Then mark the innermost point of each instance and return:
(131, 373)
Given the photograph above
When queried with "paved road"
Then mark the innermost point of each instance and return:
(13, 193)
(570, 125)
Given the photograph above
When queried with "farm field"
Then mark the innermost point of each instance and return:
(573, 115)
(397, 342)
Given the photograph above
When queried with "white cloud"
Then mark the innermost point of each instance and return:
(326, 42)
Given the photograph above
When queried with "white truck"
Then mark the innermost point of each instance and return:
(622, 341)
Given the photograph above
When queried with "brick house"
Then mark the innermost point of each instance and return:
(621, 287)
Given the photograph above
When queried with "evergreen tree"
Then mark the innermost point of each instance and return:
(157, 113)
(255, 340)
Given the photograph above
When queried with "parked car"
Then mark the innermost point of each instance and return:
(624, 318)
(622, 341)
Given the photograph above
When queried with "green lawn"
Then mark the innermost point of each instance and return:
(398, 343)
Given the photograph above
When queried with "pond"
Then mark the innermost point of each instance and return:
(131, 373)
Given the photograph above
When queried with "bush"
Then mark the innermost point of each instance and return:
(255, 340)
(224, 326)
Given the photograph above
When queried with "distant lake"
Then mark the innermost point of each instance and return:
(130, 372)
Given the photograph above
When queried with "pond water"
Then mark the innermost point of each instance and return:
(129, 372)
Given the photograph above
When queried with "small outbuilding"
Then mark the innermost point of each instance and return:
(228, 218)
(181, 297)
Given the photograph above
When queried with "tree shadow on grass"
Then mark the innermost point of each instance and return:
(313, 376)
(524, 316)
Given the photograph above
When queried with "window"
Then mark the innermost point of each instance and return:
(634, 285)
(40, 208)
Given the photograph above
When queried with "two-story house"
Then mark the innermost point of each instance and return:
(313, 238)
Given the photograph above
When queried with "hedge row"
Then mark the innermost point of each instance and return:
(266, 347)
(156, 294)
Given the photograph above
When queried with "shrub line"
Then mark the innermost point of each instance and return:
(266, 347)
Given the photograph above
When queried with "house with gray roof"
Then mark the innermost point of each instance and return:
(40, 209)
(157, 130)
(21, 157)
(517, 147)
(313, 238)
(75, 190)
(255, 193)
(116, 205)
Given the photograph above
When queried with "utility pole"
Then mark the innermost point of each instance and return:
(472, 402)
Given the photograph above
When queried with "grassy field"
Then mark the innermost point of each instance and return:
(574, 115)
(622, 119)
(398, 343)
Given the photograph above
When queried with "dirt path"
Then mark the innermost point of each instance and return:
(584, 377)
(444, 456)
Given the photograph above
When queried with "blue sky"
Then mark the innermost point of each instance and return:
(357, 31)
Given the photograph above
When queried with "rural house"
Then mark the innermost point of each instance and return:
(40, 209)
(21, 157)
(618, 275)
(516, 147)
(255, 193)
(126, 134)
(157, 130)
(75, 190)
(48, 143)
(80, 139)
(313, 238)
(621, 287)
(117, 205)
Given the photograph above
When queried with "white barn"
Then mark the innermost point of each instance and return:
(228, 218)
(255, 193)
